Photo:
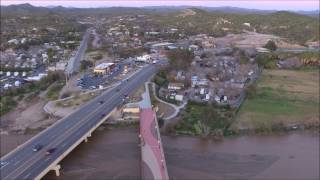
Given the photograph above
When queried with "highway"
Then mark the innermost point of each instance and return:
(74, 62)
(23, 163)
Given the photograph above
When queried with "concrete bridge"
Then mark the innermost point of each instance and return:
(66, 134)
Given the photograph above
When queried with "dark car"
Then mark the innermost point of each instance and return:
(50, 151)
(37, 147)
(101, 102)
(118, 90)
(103, 115)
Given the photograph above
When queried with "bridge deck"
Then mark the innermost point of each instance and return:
(153, 160)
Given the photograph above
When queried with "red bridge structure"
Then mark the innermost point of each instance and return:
(153, 163)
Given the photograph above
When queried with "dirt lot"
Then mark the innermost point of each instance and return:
(284, 97)
(252, 39)
(27, 116)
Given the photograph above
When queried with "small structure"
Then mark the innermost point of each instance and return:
(145, 58)
(175, 86)
(178, 97)
(104, 68)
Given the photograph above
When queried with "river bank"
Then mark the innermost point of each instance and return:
(114, 154)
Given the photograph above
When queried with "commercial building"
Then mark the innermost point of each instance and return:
(104, 68)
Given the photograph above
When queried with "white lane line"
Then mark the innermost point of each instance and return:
(25, 177)
(16, 163)
(47, 159)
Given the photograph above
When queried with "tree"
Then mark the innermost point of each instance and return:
(271, 45)
(50, 53)
(85, 64)
(266, 60)
(180, 59)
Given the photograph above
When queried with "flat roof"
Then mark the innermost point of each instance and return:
(162, 44)
(103, 65)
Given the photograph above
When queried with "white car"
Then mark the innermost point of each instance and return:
(3, 164)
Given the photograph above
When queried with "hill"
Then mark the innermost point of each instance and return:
(295, 27)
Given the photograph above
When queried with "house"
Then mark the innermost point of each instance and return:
(13, 41)
(202, 82)
(61, 66)
(207, 97)
(103, 68)
(175, 86)
(193, 47)
(194, 81)
(180, 75)
(178, 97)
(202, 91)
(145, 58)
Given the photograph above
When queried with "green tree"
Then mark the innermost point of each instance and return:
(271, 45)
(50, 53)
(180, 59)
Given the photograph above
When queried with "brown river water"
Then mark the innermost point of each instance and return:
(114, 154)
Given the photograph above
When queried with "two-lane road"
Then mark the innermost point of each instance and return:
(23, 163)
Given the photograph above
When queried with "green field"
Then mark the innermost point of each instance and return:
(282, 98)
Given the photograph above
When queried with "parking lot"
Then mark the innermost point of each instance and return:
(92, 81)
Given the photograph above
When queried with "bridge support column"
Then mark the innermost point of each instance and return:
(86, 138)
(57, 169)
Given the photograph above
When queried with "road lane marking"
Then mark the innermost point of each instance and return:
(26, 176)
(16, 163)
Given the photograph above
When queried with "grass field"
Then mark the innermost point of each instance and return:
(283, 98)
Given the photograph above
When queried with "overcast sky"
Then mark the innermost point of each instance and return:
(252, 4)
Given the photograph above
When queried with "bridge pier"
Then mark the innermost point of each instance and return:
(57, 169)
(86, 138)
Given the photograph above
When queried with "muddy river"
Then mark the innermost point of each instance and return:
(114, 154)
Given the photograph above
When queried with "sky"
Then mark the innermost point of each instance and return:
(295, 5)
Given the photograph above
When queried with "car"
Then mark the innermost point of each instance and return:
(103, 115)
(118, 90)
(101, 102)
(92, 87)
(50, 151)
(37, 147)
(3, 163)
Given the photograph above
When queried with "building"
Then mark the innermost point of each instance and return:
(175, 86)
(104, 68)
(145, 58)
(178, 97)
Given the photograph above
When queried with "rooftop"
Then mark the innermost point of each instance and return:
(104, 65)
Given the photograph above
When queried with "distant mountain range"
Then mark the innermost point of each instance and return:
(227, 9)
(24, 8)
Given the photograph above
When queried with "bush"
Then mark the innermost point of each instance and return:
(53, 92)
(266, 61)
(251, 91)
